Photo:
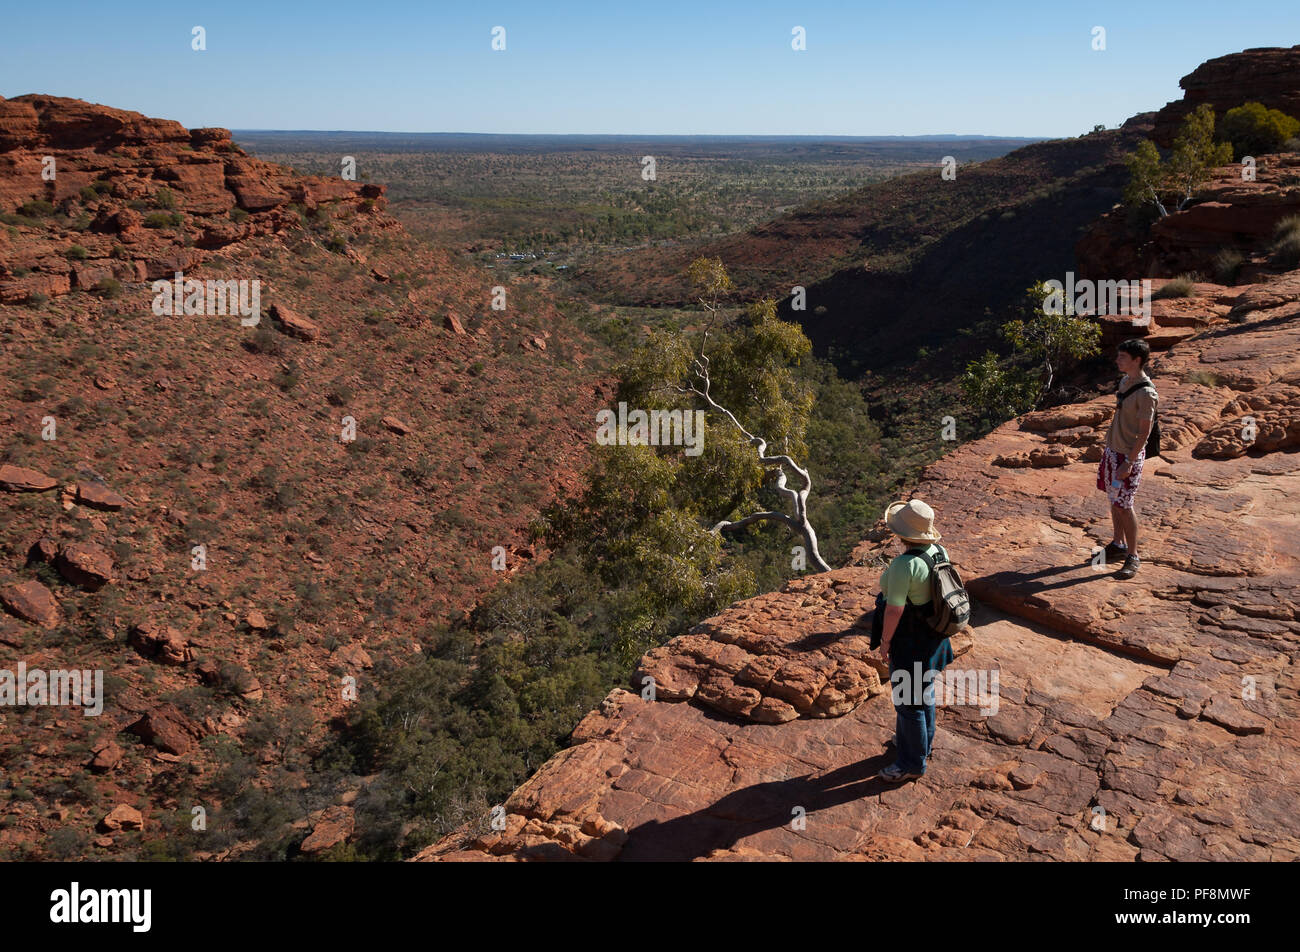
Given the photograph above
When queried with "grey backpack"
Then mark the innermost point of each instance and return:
(949, 602)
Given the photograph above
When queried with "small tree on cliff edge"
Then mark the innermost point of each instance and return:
(1047, 338)
(1188, 167)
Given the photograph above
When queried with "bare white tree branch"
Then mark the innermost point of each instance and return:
(798, 522)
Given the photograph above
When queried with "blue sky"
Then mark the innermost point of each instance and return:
(659, 67)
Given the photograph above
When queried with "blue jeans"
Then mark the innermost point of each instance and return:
(915, 651)
(914, 736)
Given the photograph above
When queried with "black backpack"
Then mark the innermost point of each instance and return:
(1153, 439)
(949, 601)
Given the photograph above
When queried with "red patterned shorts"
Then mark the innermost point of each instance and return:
(1121, 495)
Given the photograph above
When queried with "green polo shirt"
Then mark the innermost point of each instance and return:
(908, 577)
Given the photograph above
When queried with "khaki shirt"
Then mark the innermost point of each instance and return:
(1133, 417)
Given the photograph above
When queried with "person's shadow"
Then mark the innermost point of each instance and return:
(743, 812)
(1031, 583)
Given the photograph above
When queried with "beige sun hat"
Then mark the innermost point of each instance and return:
(912, 521)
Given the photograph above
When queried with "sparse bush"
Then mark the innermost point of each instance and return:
(1203, 377)
(237, 215)
(109, 288)
(1182, 286)
(1227, 265)
(36, 209)
(164, 198)
(993, 392)
(76, 253)
(1285, 253)
(266, 340)
(88, 194)
(162, 219)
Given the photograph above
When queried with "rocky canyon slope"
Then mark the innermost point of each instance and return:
(231, 520)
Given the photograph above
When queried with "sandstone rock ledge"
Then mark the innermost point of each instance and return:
(1154, 719)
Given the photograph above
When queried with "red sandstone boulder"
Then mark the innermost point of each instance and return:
(16, 479)
(99, 496)
(295, 324)
(85, 564)
(335, 826)
(163, 643)
(167, 729)
(122, 817)
(31, 601)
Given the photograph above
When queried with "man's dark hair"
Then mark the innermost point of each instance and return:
(1139, 349)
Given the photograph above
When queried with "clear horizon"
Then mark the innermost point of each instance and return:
(1010, 70)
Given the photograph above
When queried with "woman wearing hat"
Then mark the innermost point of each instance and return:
(908, 640)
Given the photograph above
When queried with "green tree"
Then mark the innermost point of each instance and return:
(1187, 168)
(1049, 336)
(1254, 129)
(992, 390)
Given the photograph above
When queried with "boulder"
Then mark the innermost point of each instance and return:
(99, 496)
(395, 425)
(122, 817)
(31, 601)
(167, 729)
(16, 479)
(85, 564)
(162, 643)
(335, 826)
(295, 324)
(105, 757)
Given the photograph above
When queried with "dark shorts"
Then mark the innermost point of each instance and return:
(1121, 495)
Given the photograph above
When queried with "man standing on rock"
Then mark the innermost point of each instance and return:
(1120, 472)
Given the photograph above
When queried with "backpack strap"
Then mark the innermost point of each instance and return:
(1119, 397)
(926, 557)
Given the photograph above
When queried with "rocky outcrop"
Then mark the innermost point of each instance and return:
(1151, 719)
(1265, 74)
(141, 198)
(1232, 211)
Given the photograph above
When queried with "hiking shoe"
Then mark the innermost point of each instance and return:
(1130, 567)
(894, 774)
(1115, 553)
